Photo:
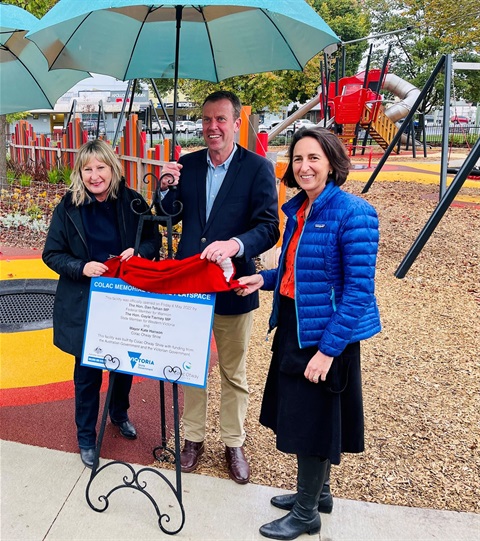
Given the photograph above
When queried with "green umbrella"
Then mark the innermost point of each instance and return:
(25, 81)
(212, 40)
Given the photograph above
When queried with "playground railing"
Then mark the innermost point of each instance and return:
(379, 122)
(352, 151)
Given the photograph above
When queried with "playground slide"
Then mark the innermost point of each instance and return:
(402, 89)
(407, 93)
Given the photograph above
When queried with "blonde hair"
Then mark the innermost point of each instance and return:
(103, 152)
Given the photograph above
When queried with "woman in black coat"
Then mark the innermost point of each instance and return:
(95, 220)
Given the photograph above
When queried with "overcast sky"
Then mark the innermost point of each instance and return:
(101, 82)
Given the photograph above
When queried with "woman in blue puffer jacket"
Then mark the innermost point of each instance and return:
(324, 304)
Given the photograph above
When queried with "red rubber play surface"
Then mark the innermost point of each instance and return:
(43, 414)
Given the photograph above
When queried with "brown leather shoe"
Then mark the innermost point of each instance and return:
(238, 467)
(190, 455)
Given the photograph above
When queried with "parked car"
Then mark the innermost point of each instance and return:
(199, 127)
(288, 131)
(155, 127)
(303, 123)
(165, 126)
(460, 119)
(91, 127)
(416, 123)
(186, 126)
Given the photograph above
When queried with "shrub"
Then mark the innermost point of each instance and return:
(11, 176)
(17, 220)
(191, 142)
(34, 212)
(55, 176)
(25, 180)
(66, 172)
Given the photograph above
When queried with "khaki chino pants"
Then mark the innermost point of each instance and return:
(232, 335)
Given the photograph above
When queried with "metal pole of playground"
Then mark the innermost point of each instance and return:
(405, 123)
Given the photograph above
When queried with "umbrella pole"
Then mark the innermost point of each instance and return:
(178, 10)
(162, 105)
(122, 114)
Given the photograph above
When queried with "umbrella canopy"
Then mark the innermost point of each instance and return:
(130, 39)
(213, 40)
(25, 81)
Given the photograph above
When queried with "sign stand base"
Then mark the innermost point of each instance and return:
(142, 479)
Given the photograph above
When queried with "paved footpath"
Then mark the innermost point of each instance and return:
(44, 499)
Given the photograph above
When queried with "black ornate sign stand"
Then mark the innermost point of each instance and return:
(139, 480)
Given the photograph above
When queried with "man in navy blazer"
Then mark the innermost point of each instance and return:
(230, 209)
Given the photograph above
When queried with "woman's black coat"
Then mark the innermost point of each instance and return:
(66, 253)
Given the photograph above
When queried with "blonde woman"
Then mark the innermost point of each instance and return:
(96, 219)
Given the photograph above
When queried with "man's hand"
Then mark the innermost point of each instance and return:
(219, 250)
(170, 175)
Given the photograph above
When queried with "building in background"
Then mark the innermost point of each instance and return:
(106, 96)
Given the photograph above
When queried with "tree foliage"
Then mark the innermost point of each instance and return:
(415, 53)
(456, 24)
(349, 21)
(35, 7)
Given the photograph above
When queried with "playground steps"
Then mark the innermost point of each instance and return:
(381, 129)
(348, 134)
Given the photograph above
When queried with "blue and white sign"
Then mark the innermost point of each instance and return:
(145, 334)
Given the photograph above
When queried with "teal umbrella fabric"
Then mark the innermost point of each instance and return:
(212, 40)
(130, 39)
(25, 80)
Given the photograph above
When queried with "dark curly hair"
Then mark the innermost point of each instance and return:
(333, 148)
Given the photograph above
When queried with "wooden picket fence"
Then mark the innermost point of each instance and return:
(140, 162)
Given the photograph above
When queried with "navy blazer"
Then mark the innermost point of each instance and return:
(246, 207)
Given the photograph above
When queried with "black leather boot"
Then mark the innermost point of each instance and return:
(304, 517)
(325, 503)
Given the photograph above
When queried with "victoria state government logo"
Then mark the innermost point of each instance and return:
(136, 358)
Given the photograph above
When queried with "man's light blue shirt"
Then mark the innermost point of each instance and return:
(215, 178)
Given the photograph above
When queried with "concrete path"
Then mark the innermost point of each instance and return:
(43, 498)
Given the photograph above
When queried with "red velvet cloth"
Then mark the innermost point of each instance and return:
(176, 276)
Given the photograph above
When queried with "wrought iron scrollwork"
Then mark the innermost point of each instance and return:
(111, 363)
(156, 204)
(172, 373)
(132, 480)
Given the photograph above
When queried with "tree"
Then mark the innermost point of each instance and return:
(350, 21)
(416, 52)
(457, 24)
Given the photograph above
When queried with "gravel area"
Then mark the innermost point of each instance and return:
(421, 373)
